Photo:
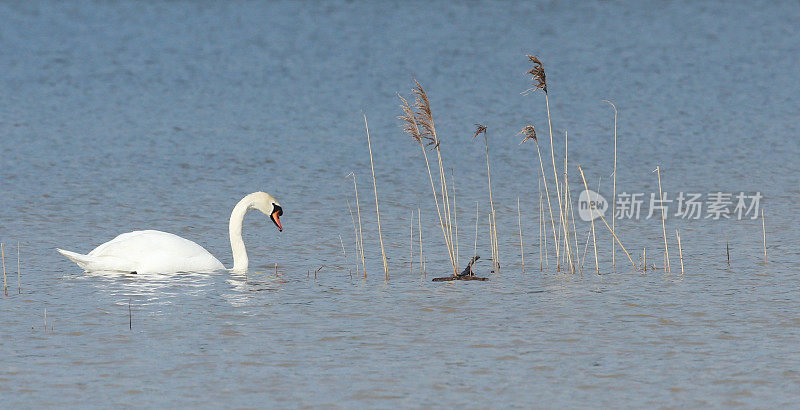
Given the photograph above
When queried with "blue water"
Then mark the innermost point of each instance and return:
(126, 115)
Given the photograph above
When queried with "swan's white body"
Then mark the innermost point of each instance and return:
(161, 252)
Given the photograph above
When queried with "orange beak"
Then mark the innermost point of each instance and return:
(276, 220)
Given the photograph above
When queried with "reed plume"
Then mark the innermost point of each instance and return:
(539, 77)
(418, 123)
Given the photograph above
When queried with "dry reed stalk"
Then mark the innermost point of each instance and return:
(3, 250)
(567, 197)
(663, 222)
(419, 125)
(355, 230)
(455, 215)
(594, 238)
(574, 227)
(764, 232)
(680, 248)
(411, 258)
(644, 258)
(19, 272)
(475, 246)
(614, 188)
(530, 133)
(360, 232)
(539, 222)
(45, 319)
(618, 241)
(539, 76)
(377, 206)
(521, 244)
(480, 129)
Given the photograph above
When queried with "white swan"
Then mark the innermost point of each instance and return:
(162, 252)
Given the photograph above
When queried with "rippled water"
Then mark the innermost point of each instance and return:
(122, 116)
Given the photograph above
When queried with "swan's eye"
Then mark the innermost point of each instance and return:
(277, 208)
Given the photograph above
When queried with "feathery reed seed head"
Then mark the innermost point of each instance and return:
(538, 73)
(529, 132)
(478, 130)
(418, 117)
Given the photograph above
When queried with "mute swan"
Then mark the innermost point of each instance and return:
(161, 252)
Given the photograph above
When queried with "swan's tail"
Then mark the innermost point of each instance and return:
(82, 260)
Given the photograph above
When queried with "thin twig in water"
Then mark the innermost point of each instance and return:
(727, 251)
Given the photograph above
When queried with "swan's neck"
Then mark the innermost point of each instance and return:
(240, 260)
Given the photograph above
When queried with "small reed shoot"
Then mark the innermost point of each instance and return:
(344, 252)
(377, 206)
(360, 232)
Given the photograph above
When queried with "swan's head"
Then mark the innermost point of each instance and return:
(265, 203)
